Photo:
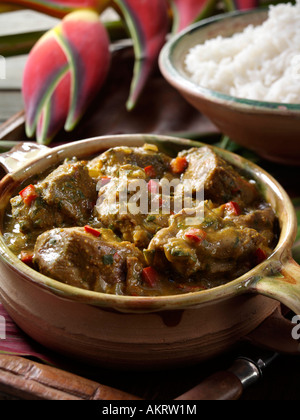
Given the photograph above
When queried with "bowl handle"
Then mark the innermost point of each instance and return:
(276, 333)
(283, 285)
(20, 154)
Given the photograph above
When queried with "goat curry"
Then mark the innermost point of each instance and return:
(76, 226)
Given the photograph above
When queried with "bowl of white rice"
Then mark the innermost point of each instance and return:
(242, 70)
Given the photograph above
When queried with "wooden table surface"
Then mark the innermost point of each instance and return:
(281, 379)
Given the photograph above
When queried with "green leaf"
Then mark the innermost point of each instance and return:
(108, 259)
(19, 44)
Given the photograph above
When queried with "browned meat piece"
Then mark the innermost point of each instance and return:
(109, 163)
(37, 216)
(132, 220)
(138, 229)
(213, 246)
(221, 182)
(259, 219)
(71, 191)
(263, 220)
(64, 198)
(78, 258)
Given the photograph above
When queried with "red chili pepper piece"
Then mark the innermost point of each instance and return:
(196, 235)
(104, 180)
(179, 165)
(28, 194)
(150, 276)
(260, 256)
(27, 257)
(91, 230)
(150, 171)
(233, 207)
(153, 187)
(117, 257)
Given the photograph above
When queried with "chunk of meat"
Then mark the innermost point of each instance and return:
(220, 247)
(125, 204)
(78, 258)
(66, 197)
(71, 190)
(220, 181)
(36, 217)
(110, 162)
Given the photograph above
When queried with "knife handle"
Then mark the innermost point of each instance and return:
(28, 380)
(226, 385)
(220, 386)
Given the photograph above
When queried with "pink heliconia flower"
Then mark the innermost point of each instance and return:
(148, 23)
(64, 72)
(186, 12)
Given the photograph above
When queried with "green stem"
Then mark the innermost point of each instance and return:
(116, 30)
(18, 44)
(6, 145)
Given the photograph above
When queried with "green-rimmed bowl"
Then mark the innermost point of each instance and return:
(272, 130)
(143, 332)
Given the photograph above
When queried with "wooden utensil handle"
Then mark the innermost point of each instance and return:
(28, 380)
(220, 386)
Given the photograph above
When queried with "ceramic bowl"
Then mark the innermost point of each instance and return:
(143, 332)
(269, 129)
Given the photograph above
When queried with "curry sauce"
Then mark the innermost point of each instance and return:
(110, 224)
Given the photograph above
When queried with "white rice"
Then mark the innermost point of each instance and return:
(260, 63)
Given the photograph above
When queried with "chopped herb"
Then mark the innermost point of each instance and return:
(150, 218)
(108, 259)
(179, 253)
(69, 185)
(236, 243)
(208, 222)
(81, 195)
